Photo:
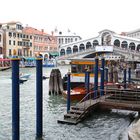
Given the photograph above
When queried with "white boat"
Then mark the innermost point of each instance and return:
(25, 76)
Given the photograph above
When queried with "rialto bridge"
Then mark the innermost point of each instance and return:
(126, 46)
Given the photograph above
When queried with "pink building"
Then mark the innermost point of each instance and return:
(43, 43)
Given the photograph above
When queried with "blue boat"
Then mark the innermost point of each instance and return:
(49, 63)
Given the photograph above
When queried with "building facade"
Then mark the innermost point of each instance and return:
(16, 42)
(1, 43)
(43, 43)
(64, 38)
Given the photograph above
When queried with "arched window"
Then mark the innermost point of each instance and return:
(138, 47)
(62, 52)
(95, 43)
(69, 50)
(75, 49)
(81, 47)
(124, 44)
(132, 46)
(117, 43)
(88, 45)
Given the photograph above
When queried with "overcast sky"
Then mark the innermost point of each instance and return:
(84, 17)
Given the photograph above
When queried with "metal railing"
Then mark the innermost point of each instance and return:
(130, 96)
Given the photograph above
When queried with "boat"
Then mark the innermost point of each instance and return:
(49, 63)
(24, 76)
(21, 81)
(45, 77)
(5, 64)
(78, 69)
(28, 62)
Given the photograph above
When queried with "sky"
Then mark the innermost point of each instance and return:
(83, 17)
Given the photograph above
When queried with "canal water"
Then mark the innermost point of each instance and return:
(99, 126)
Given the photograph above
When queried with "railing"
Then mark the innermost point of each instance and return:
(130, 96)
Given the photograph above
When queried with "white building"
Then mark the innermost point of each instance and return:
(65, 37)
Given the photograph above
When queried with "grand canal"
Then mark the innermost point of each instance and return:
(101, 125)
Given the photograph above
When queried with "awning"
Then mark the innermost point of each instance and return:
(54, 53)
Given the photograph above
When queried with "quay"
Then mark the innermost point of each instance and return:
(123, 99)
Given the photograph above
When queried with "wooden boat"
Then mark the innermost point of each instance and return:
(5, 64)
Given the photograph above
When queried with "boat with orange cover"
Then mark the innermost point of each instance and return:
(77, 93)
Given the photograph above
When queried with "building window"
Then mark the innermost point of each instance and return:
(18, 35)
(30, 37)
(9, 42)
(10, 34)
(30, 44)
(10, 52)
(14, 43)
(14, 34)
(0, 38)
(75, 39)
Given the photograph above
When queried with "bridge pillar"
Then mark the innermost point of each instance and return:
(96, 78)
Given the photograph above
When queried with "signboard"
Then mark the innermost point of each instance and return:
(104, 48)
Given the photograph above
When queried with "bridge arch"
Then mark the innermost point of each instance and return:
(62, 52)
(132, 46)
(88, 45)
(117, 42)
(75, 48)
(124, 44)
(106, 38)
(95, 43)
(138, 47)
(81, 47)
(69, 51)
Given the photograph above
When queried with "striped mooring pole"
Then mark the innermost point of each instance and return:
(39, 99)
(15, 100)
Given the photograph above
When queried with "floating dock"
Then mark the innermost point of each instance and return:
(125, 99)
